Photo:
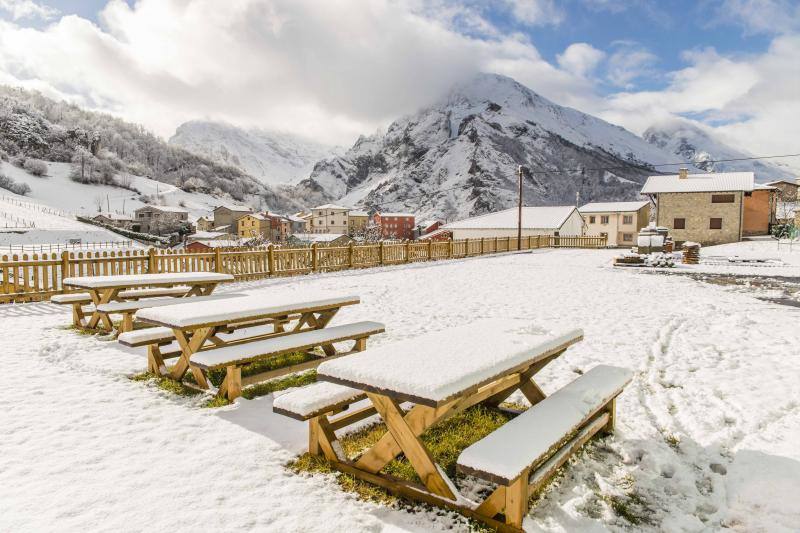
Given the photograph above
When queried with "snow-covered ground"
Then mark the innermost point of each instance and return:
(707, 431)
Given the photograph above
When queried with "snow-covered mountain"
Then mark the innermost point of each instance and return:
(459, 157)
(272, 157)
(699, 147)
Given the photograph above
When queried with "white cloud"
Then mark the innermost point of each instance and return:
(629, 62)
(761, 16)
(580, 58)
(537, 12)
(27, 9)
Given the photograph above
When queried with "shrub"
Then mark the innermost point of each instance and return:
(10, 185)
(18, 160)
(35, 167)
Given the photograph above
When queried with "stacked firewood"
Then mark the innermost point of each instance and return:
(691, 253)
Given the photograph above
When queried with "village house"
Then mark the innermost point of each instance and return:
(427, 226)
(707, 208)
(787, 190)
(279, 227)
(620, 222)
(562, 221)
(760, 208)
(209, 245)
(297, 224)
(441, 234)
(395, 225)
(330, 218)
(358, 221)
(228, 215)
(204, 224)
(114, 219)
(253, 225)
(159, 219)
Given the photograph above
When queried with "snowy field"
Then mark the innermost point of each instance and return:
(707, 434)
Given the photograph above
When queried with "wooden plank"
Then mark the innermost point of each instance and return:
(516, 505)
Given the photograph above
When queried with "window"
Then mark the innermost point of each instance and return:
(591, 220)
(627, 219)
(679, 223)
(716, 223)
(722, 198)
(749, 194)
(604, 219)
(627, 237)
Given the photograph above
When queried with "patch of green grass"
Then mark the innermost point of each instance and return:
(264, 365)
(166, 384)
(673, 441)
(262, 389)
(632, 507)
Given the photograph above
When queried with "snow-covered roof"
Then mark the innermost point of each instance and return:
(206, 235)
(532, 218)
(165, 208)
(790, 182)
(218, 243)
(764, 187)
(113, 216)
(428, 223)
(434, 233)
(712, 182)
(226, 228)
(396, 214)
(294, 218)
(612, 207)
(236, 208)
(257, 216)
(332, 206)
(318, 237)
(358, 214)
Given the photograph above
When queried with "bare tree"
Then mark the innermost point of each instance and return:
(99, 200)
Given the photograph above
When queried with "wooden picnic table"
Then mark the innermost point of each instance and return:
(442, 374)
(198, 327)
(105, 289)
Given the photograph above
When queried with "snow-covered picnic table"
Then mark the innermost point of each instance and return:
(200, 330)
(443, 373)
(102, 290)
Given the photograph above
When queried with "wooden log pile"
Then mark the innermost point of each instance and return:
(629, 260)
(691, 253)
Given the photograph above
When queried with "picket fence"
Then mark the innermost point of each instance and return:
(36, 277)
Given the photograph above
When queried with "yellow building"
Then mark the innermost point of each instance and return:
(619, 222)
(357, 220)
(253, 225)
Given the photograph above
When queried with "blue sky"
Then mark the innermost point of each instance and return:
(334, 70)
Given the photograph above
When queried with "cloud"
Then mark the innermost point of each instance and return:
(536, 12)
(761, 16)
(580, 59)
(27, 9)
(629, 62)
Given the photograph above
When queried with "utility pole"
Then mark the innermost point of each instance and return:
(519, 210)
(108, 203)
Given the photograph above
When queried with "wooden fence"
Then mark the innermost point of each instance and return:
(38, 276)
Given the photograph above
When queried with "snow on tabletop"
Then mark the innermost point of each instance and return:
(187, 314)
(438, 365)
(134, 280)
(308, 400)
(516, 445)
(315, 337)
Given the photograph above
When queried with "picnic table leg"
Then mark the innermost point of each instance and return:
(419, 457)
(516, 504)
(78, 316)
(155, 362)
(189, 345)
(102, 297)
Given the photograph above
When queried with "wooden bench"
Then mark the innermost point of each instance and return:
(233, 358)
(80, 302)
(127, 308)
(524, 453)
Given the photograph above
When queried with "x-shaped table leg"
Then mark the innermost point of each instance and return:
(102, 296)
(190, 343)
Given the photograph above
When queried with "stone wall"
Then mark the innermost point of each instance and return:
(697, 210)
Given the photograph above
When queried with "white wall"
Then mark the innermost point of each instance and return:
(573, 226)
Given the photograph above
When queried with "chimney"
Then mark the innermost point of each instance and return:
(683, 173)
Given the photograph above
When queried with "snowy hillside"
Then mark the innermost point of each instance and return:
(272, 157)
(459, 157)
(697, 147)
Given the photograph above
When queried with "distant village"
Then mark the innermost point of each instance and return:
(709, 208)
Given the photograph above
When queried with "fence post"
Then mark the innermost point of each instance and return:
(151, 261)
(408, 251)
(218, 260)
(313, 257)
(466, 247)
(271, 259)
(483, 246)
(496, 240)
(350, 254)
(450, 246)
(380, 250)
(64, 268)
(430, 249)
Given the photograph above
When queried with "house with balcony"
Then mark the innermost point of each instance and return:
(619, 222)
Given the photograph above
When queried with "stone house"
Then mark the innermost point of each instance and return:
(706, 208)
(205, 224)
(114, 219)
(620, 222)
(159, 219)
(787, 190)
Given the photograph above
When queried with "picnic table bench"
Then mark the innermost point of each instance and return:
(199, 329)
(442, 374)
(100, 290)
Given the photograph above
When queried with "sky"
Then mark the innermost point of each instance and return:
(331, 70)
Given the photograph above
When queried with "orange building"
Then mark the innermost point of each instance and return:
(758, 210)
